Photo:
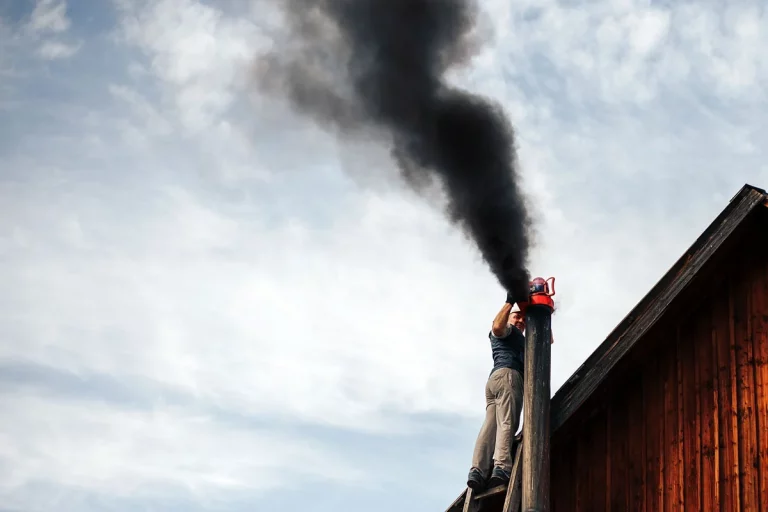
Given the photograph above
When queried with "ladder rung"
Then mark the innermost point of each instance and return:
(493, 491)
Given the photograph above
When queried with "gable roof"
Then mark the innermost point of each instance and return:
(598, 366)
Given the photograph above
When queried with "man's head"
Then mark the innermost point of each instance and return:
(517, 319)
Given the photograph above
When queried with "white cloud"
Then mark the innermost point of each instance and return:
(45, 33)
(648, 29)
(146, 123)
(57, 50)
(193, 48)
(627, 51)
(49, 16)
(209, 299)
(124, 453)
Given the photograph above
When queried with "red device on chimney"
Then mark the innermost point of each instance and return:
(540, 293)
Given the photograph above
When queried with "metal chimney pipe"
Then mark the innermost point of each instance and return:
(536, 398)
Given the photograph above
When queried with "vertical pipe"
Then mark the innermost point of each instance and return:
(538, 335)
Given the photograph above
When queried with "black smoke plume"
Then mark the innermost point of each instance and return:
(381, 65)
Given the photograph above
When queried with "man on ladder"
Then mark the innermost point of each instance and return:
(492, 458)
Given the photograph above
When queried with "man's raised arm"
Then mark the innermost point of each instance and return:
(500, 326)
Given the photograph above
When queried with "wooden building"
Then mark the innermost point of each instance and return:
(670, 412)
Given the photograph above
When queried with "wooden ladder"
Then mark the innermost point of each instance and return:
(490, 500)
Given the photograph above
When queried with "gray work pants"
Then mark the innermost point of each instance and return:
(503, 404)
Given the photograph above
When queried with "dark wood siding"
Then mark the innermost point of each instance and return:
(684, 424)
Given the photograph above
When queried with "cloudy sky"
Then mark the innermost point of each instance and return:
(207, 303)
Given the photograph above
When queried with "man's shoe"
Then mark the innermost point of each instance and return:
(498, 477)
(475, 480)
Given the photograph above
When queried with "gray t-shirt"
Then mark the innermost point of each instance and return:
(508, 350)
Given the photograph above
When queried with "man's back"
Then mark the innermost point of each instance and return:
(508, 350)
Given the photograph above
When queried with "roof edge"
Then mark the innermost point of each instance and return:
(585, 380)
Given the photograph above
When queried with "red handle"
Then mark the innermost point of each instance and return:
(552, 286)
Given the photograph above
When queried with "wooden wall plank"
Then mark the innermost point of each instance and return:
(619, 454)
(708, 408)
(598, 468)
(716, 434)
(571, 454)
(701, 336)
(559, 476)
(635, 434)
(653, 391)
(564, 475)
(759, 323)
(689, 414)
(680, 426)
(728, 435)
(573, 495)
(607, 461)
(582, 481)
(671, 432)
(748, 462)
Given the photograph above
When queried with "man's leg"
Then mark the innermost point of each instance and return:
(482, 458)
(509, 402)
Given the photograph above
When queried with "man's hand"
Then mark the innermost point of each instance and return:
(510, 298)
